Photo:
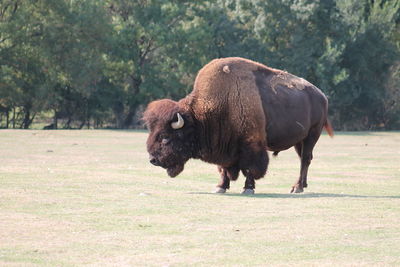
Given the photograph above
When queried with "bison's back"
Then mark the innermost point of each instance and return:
(236, 98)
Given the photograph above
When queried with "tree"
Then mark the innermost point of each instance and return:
(344, 47)
(23, 77)
(140, 66)
(100, 61)
(76, 37)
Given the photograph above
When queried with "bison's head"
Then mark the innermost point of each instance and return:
(171, 139)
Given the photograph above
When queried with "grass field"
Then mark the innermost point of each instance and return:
(90, 197)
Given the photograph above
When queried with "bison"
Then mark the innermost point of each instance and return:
(238, 110)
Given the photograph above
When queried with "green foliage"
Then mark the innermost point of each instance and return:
(344, 47)
(97, 63)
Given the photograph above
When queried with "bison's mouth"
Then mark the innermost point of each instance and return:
(175, 170)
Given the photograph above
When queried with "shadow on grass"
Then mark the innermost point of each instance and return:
(125, 130)
(301, 195)
(363, 133)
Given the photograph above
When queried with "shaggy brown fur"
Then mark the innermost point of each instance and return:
(237, 110)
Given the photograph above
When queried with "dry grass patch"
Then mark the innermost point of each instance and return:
(91, 198)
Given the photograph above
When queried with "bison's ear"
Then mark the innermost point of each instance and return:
(179, 123)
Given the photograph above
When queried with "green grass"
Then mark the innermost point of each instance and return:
(90, 197)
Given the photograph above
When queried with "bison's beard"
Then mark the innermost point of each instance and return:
(175, 170)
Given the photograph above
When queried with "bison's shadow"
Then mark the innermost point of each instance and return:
(301, 195)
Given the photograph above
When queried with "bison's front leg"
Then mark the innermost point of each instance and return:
(253, 163)
(227, 174)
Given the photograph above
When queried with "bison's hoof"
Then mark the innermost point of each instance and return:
(219, 190)
(248, 191)
(296, 189)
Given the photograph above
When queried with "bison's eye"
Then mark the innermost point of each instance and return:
(165, 141)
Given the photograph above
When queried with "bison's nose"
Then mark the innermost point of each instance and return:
(154, 161)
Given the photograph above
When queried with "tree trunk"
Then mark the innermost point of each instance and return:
(87, 115)
(13, 119)
(136, 82)
(27, 118)
(82, 124)
(55, 120)
(119, 113)
(7, 118)
(25, 123)
(88, 121)
(128, 122)
(68, 123)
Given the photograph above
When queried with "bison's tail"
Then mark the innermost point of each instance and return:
(328, 128)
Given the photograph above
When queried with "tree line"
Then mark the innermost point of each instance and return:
(97, 63)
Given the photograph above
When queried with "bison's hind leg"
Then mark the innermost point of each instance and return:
(299, 148)
(304, 149)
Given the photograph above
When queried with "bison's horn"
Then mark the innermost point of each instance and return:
(178, 124)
